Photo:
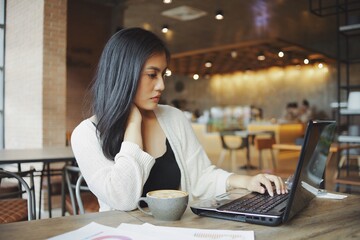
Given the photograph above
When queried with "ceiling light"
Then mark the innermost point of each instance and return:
(234, 54)
(306, 61)
(165, 28)
(281, 54)
(208, 64)
(168, 72)
(184, 13)
(196, 76)
(261, 56)
(167, 1)
(219, 15)
(320, 65)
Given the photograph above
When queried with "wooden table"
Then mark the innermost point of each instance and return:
(45, 155)
(322, 219)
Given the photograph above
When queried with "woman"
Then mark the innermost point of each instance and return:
(132, 145)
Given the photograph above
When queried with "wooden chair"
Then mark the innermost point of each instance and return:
(237, 143)
(348, 172)
(265, 143)
(78, 199)
(347, 157)
(13, 207)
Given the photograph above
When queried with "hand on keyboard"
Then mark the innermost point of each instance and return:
(258, 183)
(267, 183)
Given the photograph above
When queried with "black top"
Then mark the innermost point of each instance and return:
(165, 174)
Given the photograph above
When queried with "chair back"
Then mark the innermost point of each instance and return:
(264, 143)
(353, 130)
(230, 141)
(80, 197)
(12, 203)
(79, 187)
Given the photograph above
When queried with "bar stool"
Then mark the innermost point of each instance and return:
(230, 148)
(261, 144)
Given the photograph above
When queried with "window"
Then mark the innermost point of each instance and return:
(2, 69)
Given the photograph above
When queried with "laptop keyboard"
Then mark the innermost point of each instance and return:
(255, 203)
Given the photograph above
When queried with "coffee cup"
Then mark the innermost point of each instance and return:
(166, 205)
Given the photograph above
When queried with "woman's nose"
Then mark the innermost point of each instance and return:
(160, 85)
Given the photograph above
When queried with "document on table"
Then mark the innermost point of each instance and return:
(124, 231)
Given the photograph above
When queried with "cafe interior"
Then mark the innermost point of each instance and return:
(237, 67)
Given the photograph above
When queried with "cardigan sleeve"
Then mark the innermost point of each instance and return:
(117, 183)
(207, 180)
(202, 178)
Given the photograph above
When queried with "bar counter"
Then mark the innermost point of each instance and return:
(284, 132)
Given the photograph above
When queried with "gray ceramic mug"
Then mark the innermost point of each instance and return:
(166, 205)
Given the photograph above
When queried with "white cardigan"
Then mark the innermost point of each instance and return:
(118, 184)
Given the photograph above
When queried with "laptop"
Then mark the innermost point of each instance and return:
(308, 176)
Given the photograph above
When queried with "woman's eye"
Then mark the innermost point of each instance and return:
(152, 75)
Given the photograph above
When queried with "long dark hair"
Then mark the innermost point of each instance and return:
(116, 82)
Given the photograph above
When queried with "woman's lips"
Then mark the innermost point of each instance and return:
(156, 98)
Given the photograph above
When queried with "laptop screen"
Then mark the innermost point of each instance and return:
(311, 164)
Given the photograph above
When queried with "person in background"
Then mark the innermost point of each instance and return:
(291, 112)
(305, 113)
(132, 145)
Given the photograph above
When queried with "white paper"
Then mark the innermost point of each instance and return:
(95, 231)
(160, 235)
(86, 232)
(120, 234)
(175, 233)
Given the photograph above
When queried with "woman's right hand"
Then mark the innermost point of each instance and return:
(133, 128)
(135, 115)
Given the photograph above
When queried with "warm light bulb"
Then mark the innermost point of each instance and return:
(196, 76)
(306, 61)
(168, 73)
(165, 29)
(208, 64)
(281, 54)
(219, 15)
(261, 57)
(167, 1)
(320, 65)
(234, 54)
